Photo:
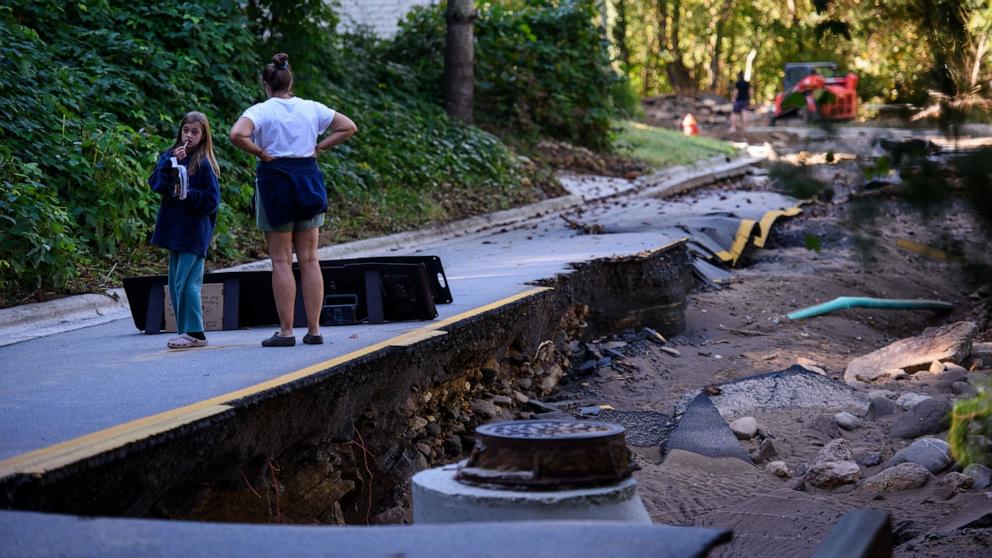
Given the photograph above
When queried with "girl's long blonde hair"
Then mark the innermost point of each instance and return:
(203, 150)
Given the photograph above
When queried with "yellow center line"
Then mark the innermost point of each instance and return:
(64, 453)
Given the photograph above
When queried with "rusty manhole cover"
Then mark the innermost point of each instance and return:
(547, 455)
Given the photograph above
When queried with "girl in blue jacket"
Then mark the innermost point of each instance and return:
(186, 176)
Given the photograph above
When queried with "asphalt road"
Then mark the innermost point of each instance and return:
(63, 386)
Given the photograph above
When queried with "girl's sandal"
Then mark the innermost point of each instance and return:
(185, 341)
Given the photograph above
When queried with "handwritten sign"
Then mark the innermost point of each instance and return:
(212, 296)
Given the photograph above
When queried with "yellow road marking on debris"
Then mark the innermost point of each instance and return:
(740, 242)
(926, 251)
(746, 229)
(59, 455)
(768, 219)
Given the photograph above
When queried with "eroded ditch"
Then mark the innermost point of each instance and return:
(339, 446)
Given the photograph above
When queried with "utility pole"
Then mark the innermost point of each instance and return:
(459, 57)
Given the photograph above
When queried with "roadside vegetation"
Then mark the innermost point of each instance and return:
(92, 92)
(659, 147)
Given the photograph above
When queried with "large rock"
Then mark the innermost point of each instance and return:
(825, 425)
(880, 407)
(779, 469)
(766, 451)
(550, 380)
(744, 428)
(932, 453)
(982, 350)
(868, 458)
(951, 375)
(484, 408)
(958, 481)
(964, 389)
(901, 477)
(949, 342)
(836, 450)
(981, 474)
(829, 474)
(909, 400)
(847, 421)
(928, 417)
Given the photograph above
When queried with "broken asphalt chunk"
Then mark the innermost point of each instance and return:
(701, 430)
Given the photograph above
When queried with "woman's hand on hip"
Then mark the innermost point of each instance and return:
(265, 157)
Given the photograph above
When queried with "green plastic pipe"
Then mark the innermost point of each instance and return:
(844, 302)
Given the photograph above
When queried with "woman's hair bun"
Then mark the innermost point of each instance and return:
(280, 59)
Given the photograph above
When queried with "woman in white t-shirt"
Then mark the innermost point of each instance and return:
(290, 197)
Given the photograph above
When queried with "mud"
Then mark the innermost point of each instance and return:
(738, 334)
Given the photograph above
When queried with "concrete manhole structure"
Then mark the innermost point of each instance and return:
(534, 470)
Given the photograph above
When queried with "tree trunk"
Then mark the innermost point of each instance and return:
(459, 55)
(794, 16)
(663, 25)
(604, 18)
(619, 33)
(732, 60)
(721, 22)
(679, 76)
(979, 56)
(652, 61)
(676, 23)
(647, 69)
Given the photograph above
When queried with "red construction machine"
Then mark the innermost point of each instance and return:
(817, 91)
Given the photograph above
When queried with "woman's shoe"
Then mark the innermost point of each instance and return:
(185, 341)
(313, 339)
(279, 341)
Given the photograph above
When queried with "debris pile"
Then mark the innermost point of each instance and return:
(667, 111)
(563, 155)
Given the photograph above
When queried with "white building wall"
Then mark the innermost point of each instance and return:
(381, 16)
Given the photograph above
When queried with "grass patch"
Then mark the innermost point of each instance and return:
(662, 148)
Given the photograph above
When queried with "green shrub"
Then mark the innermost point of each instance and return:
(37, 247)
(970, 436)
(92, 92)
(106, 189)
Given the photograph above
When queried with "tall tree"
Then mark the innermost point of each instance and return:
(620, 35)
(459, 56)
(679, 76)
(719, 24)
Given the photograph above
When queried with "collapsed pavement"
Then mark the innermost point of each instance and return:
(340, 446)
(751, 423)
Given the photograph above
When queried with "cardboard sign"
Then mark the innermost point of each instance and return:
(212, 296)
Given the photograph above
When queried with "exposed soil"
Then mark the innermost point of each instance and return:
(740, 330)
(560, 155)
